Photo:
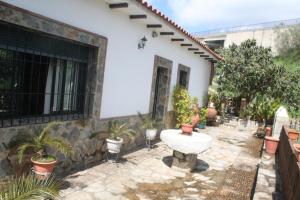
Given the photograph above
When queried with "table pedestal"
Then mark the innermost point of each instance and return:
(184, 160)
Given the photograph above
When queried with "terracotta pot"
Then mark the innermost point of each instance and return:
(211, 114)
(293, 134)
(187, 129)
(297, 149)
(271, 144)
(268, 131)
(195, 120)
(42, 168)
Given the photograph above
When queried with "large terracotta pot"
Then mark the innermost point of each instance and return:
(195, 120)
(211, 114)
(43, 168)
(271, 144)
(297, 149)
(268, 131)
(187, 129)
(293, 134)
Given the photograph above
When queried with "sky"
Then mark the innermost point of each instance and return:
(202, 15)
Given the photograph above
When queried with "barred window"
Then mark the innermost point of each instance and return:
(40, 75)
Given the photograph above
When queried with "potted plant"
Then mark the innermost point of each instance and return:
(263, 110)
(202, 114)
(187, 123)
(268, 131)
(297, 148)
(182, 108)
(116, 130)
(149, 125)
(271, 144)
(195, 109)
(211, 112)
(293, 134)
(38, 144)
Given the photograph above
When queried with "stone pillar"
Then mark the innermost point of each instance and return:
(186, 161)
(243, 104)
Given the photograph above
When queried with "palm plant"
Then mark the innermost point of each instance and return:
(148, 122)
(116, 129)
(262, 108)
(38, 143)
(27, 187)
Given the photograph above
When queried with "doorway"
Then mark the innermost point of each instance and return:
(160, 88)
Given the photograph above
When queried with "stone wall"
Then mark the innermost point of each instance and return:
(85, 151)
(289, 167)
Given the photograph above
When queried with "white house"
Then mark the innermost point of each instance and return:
(96, 59)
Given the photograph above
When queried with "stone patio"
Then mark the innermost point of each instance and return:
(225, 171)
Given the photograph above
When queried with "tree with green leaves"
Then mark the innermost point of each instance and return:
(248, 70)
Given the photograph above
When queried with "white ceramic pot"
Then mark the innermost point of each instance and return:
(150, 134)
(114, 146)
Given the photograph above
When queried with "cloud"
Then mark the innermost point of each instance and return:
(210, 14)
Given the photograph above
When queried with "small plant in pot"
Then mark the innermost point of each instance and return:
(187, 123)
(149, 125)
(195, 109)
(38, 144)
(116, 130)
(202, 114)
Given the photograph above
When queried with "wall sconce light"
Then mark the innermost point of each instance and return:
(154, 34)
(142, 43)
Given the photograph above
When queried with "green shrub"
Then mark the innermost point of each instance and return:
(182, 106)
(263, 108)
(203, 115)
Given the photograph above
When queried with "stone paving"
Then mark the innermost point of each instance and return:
(225, 171)
(268, 180)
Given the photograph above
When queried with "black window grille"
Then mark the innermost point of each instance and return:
(42, 78)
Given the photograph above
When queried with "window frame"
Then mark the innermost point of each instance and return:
(15, 115)
(188, 72)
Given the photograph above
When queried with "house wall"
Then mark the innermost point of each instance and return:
(127, 74)
(128, 71)
(263, 37)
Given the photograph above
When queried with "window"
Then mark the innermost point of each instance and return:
(183, 76)
(40, 76)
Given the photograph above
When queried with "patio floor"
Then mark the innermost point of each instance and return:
(225, 171)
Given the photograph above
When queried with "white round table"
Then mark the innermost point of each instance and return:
(185, 147)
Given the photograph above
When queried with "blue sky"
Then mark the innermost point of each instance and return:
(201, 15)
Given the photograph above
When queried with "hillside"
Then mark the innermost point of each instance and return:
(291, 60)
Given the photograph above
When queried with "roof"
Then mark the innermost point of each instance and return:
(179, 28)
